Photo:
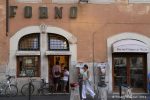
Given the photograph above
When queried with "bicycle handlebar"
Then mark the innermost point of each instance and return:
(9, 77)
(43, 81)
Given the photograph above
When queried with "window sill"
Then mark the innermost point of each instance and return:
(27, 53)
(58, 53)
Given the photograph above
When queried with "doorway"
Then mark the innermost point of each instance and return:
(131, 69)
(64, 62)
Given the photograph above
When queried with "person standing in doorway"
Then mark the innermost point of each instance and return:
(65, 78)
(56, 75)
(86, 86)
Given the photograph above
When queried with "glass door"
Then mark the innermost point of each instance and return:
(129, 69)
(120, 71)
(137, 73)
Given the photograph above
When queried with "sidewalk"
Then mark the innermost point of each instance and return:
(116, 97)
(50, 97)
(134, 97)
(67, 97)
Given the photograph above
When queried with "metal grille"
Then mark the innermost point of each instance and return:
(57, 42)
(30, 42)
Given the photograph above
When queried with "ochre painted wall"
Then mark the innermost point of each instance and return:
(102, 20)
(3, 37)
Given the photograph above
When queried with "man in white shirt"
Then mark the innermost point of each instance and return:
(65, 78)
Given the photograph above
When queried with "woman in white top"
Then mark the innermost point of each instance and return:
(65, 78)
(86, 84)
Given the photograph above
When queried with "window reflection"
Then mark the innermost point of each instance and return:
(28, 66)
(120, 70)
(136, 72)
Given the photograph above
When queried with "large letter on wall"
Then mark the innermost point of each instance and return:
(43, 12)
(58, 12)
(73, 12)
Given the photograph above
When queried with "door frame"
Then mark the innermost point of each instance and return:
(69, 63)
(49, 63)
(122, 36)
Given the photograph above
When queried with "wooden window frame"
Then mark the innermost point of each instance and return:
(128, 56)
(19, 70)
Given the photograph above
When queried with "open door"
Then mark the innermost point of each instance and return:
(64, 62)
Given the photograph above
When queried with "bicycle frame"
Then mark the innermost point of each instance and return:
(45, 86)
(4, 85)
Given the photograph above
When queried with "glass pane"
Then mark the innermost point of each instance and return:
(29, 66)
(136, 72)
(120, 71)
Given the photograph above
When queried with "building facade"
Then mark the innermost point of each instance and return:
(35, 34)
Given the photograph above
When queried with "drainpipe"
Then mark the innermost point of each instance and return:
(93, 59)
(7, 17)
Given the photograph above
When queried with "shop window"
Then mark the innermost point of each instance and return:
(139, 1)
(30, 42)
(28, 66)
(29, 1)
(57, 42)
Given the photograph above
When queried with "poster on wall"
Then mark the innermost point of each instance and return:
(102, 65)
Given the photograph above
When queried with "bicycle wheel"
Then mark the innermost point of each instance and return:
(11, 91)
(45, 91)
(25, 89)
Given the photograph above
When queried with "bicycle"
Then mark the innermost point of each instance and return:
(45, 88)
(7, 88)
(127, 92)
(25, 88)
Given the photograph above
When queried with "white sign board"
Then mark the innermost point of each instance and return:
(130, 46)
(139, 1)
(102, 65)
